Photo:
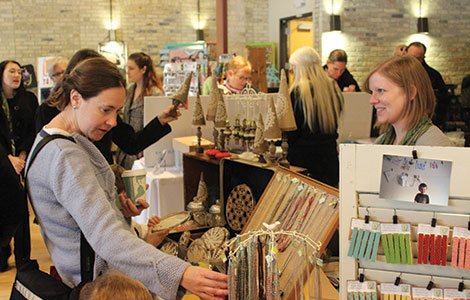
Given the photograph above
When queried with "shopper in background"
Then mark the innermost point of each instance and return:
(336, 68)
(399, 50)
(142, 74)
(55, 69)
(317, 103)
(71, 187)
(123, 135)
(238, 77)
(418, 50)
(403, 97)
(18, 107)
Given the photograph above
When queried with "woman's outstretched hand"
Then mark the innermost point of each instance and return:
(206, 284)
(165, 116)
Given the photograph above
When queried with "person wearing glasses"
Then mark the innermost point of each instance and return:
(123, 135)
(238, 77)
(55, 69)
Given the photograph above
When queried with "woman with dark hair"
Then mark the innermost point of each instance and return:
(46, 112)
(145, 82)
(123, 135)
(71, 188)
(17, 136)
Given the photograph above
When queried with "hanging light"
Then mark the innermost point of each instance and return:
(199, 30)
(422, 22)
(110, 47)
(335, 20)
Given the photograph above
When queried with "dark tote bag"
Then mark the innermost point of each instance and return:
(34, 284)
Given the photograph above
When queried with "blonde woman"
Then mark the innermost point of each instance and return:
(238, 77)
(402, 94)
(317, 103)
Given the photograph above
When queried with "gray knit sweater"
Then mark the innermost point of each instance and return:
(72, 188)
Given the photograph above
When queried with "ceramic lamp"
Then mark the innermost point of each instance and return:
(202, 192)
(221, 113)
(214, 98)
(284, 110)
(198, 120)
(260, 146)
(272, 132)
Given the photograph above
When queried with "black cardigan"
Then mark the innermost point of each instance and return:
(22, 108)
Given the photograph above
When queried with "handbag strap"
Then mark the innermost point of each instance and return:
(87, 254)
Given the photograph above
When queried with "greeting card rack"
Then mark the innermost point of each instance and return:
(360, 173)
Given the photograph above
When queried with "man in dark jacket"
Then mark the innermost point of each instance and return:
(418, 50)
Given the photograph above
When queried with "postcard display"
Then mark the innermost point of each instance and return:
(308, 213)
(395, 245)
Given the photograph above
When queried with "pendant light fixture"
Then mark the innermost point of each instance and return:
(199, 30)
(422, 22)
(115, 51)
(335, 20)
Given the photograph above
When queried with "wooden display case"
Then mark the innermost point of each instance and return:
(320, 221)
(193, 165)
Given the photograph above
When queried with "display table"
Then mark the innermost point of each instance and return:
(165, 192)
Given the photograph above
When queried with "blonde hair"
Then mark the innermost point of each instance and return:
(114, 286)
(322, 109)
(408, 73)
(56, 61)
(239, 63)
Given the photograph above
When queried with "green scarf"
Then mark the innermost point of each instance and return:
(411, 135)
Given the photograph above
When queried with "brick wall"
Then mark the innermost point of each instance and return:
(34, 28)
(372, 29)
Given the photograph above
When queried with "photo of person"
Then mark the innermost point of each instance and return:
(422, 197)
(402, 177)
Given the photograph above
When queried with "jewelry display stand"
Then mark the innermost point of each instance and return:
(361, 169)
(301, 205)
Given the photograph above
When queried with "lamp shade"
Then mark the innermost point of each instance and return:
(202, 192)
(284, 110)
(214, 98)
(272, 131)
(198, 113)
